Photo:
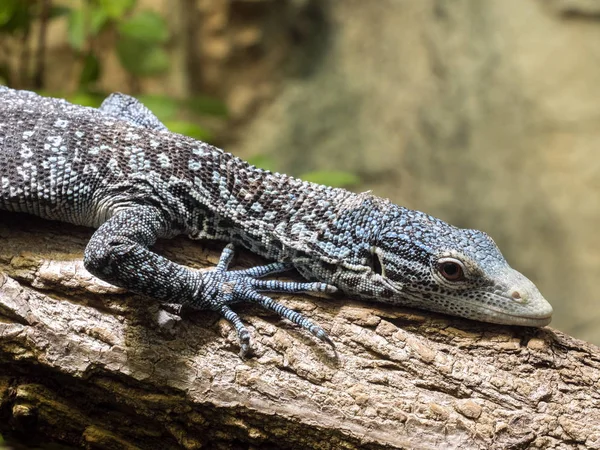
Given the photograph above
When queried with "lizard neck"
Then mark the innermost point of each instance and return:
(274, 215)
(342, 252)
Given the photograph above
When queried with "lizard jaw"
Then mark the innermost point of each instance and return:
(538, 320)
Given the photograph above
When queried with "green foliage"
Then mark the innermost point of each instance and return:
(201, 104)
(168, 110)
(90, 71)
(146, 26)
(140, 47)
(7, 11)
(140, 59)
(116, 9)
(189, 129)
(264, 162)
(84, 99)
(332, 178)
(165, 108)
(140, 43)
(142, 35)
(15, 16)
(76, 29)
(59, 11)
(4, 73)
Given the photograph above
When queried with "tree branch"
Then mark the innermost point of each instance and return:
(85, 363)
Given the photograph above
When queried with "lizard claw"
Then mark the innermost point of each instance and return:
(221, 288)
(242, 331)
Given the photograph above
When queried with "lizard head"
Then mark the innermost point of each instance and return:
(422, 261)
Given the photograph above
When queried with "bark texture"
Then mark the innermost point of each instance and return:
(87, 364)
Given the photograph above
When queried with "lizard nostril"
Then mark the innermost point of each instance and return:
(520, 296)
(517, 296)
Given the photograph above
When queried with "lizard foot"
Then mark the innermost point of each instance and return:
(222, 288)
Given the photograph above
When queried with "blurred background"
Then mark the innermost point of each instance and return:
(485, 113)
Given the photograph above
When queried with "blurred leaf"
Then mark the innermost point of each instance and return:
(8, 9)
(4, 74)
(189, 129)
(19, 19)
(79, 98)
(164, 107)
(85, 99)
(59, 11)
(116, 9)
(146, 26)
(263, 161)
(80, 26)
(141, 59)
(207, 105)
(76, 32)
(98, 18)
(90, 71)
(332, 178)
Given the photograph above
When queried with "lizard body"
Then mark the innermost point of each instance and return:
(118, 169)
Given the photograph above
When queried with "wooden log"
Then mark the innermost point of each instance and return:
(87, 364)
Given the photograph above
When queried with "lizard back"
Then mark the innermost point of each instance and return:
(76, 164)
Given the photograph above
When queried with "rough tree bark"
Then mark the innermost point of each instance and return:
(85, 364)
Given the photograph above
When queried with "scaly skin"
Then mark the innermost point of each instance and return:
(118, 169)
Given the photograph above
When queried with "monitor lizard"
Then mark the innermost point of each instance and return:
(117, 168)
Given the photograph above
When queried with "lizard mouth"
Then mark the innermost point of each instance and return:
(526, 319)
(536, 312)
(504, 318)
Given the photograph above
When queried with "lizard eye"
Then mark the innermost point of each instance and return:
(451, 269)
